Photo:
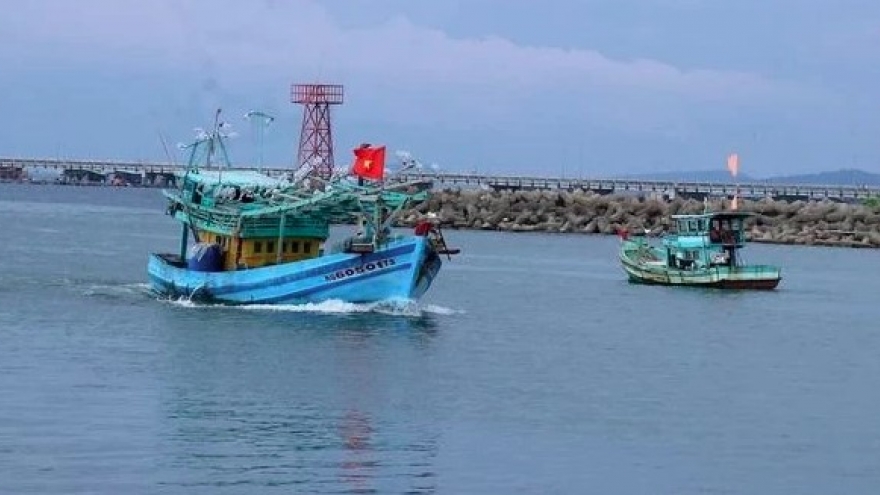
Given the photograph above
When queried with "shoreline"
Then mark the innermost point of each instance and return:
(806, 223)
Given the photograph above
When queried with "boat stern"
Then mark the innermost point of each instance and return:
(169, 277)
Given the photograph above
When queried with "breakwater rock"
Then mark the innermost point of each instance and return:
(823, 223)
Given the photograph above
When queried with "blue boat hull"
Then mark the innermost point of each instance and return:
(402, 269)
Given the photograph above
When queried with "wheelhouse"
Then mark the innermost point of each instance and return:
(699, 241)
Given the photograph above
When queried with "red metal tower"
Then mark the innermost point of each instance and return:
(316, 136)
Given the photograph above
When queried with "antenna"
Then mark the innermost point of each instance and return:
(171, 159)
(261, 121)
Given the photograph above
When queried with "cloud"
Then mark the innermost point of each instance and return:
(249, 42)
(468, 97)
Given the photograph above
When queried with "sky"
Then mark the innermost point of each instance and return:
(577, 88)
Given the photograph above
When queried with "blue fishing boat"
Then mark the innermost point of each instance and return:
(259, 239)
(703, 250)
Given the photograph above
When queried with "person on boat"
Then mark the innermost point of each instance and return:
(422, 228)
(197, 194)
(361, 231)
(386, 223)
(727, 236)
(425, 227)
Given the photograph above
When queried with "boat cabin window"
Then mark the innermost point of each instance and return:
(307, 246)
(258, 247)
(691, 226)
(685, 259)
(294, 246)
(270, 246)
(726, 230)
(284, 247)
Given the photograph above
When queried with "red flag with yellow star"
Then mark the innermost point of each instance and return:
(369, 162)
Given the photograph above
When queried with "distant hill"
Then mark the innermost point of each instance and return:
(838, 177)
(842, 177)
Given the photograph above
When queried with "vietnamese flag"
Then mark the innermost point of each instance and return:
(369, 162)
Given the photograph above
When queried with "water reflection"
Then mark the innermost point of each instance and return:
(320, 401)
(358, 462)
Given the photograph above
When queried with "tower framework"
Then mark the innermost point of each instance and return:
(316, 134)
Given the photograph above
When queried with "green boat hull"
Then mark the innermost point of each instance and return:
(646, 265)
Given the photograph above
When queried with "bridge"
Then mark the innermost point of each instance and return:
(158, 173)
(695, 189)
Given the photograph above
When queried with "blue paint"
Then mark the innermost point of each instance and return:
(411, 267)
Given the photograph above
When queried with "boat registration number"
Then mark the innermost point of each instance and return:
(360, 269)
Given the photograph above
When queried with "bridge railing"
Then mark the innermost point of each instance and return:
(497, 181)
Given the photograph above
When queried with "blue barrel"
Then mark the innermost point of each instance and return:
(205, 257)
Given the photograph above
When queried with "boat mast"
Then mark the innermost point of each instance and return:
(192, 167)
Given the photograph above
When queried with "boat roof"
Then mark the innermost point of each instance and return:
(232, 177)
(717, 214)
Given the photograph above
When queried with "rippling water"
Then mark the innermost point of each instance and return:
(530, 367)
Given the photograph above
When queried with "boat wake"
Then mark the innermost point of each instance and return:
(391, 307)
(113, 291)
(137, 291)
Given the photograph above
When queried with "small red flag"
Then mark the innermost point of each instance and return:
(369, 162)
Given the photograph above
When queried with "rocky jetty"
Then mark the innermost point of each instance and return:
(821, 223)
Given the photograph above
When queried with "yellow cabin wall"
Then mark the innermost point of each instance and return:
(250, 258)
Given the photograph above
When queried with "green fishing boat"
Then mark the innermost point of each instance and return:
(258, 239)
(703, 251)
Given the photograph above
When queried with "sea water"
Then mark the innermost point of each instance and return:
(531, 366)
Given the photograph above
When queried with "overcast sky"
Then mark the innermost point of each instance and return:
(580, 87)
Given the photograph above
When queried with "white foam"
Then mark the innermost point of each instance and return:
(390, 307)
(116, 290)
(440, 310)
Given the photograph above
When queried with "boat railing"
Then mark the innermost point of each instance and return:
(358, 244)
(212, 218)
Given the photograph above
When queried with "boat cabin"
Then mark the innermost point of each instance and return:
(242, 253)
(701, 241)
(222, 206)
